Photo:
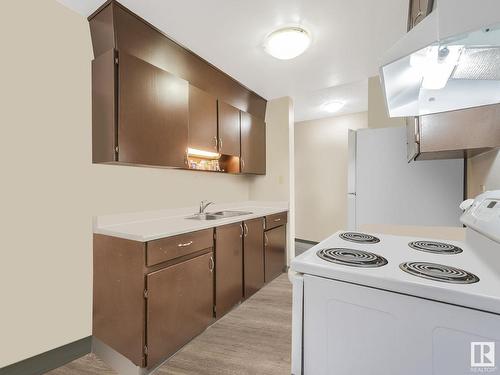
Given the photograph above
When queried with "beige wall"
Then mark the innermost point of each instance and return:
(50, 190)
(377, 111)
(321, 174)
(277, 184)
(483, 173)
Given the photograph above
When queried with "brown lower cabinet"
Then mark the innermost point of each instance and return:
(179, 305)
(253, 256)
(151, 298)
(228, 267)
(274, 252)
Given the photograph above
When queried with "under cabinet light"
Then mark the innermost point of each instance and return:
(202, 154)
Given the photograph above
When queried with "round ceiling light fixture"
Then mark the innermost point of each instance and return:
(332, 106)
(287, 42)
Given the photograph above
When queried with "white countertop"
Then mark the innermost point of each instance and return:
(151, 225)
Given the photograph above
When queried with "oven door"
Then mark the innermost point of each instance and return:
(352, 329)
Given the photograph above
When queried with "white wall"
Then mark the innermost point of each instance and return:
(277, 184)
(50, 190)
(483, 173)
(321, 174)
(377, 110)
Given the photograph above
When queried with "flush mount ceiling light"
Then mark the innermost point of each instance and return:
(332, 106)
(287, 42)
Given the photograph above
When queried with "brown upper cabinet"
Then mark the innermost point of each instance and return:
(153, 98)
(417, 11)
(152, 114)
(229, 129)
(455, 134)
(139, 112)
(253, 144)
(202, 120)
(213, 125)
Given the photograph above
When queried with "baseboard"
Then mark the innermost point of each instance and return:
(306, 241)
(50, 360)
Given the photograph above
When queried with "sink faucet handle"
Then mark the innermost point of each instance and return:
(203, 205)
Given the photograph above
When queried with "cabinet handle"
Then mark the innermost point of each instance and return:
(276, 220)
(211, 264)
(265, 240)
(185, 244)
(216, 142)
(242, 164)
(220, 143)
(241, 230)
(246, 229)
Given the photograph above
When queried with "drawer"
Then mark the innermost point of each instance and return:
(275, 220)
(173, 247)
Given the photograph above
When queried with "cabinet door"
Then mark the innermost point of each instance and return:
(202, 120)
(228, 267)
(412, 136)
(418, 10)
(153, 114)
(253, 144)
(229, 129)
(179, 305)
(274, 252)
(253, 256)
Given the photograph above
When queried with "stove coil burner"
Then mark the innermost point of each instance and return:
(359, 237)
(439, 272)
(351, 257)
(435, 247)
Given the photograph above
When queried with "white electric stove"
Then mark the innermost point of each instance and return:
(392, 305)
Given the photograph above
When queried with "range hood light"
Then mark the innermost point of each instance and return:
(435, 64)
(458, 60)
(202, 154)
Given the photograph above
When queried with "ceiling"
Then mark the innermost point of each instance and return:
(349, 37)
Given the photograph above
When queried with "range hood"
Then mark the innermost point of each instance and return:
(449, 61)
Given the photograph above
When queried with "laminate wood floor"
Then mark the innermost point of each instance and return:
(254, 338)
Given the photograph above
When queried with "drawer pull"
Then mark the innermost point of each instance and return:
(211, 264)
(185, 244)
(276, 220)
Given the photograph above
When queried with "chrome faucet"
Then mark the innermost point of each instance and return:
(204, 205)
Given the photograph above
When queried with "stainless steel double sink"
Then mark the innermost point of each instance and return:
(217, 215)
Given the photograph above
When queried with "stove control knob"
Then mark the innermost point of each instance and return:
(466, 204)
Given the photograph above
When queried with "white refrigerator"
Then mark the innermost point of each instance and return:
(383, 188)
